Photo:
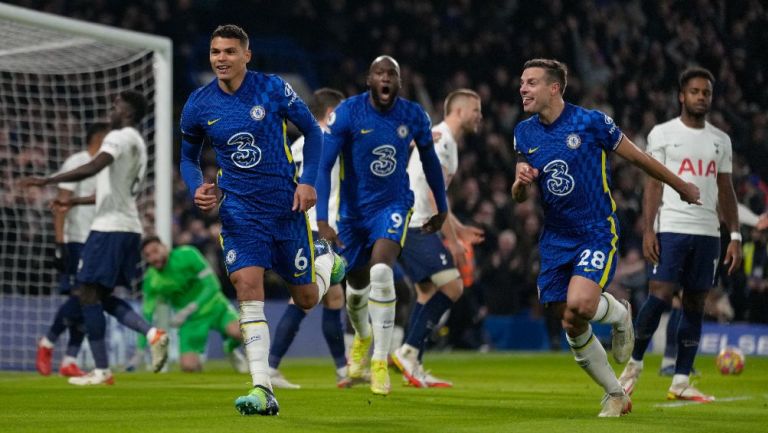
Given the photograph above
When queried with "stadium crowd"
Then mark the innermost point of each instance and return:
(624, 59)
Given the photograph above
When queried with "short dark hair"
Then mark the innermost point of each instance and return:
(150, 239)
(694, 72)
(137, 101)
(323, 99)
(231, 31)
(556, 71)
(456, 95)
(94, 129)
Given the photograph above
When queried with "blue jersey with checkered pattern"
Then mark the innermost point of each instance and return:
(570, 154)
(248, 132)
(374, 152)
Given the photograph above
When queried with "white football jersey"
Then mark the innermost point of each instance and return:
(448, 154)
(118, 184)
(697, 156)
(297, 150)
(77, 222)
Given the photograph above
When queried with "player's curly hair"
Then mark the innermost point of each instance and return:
(556, 71)
(694, 72)
(231, 31)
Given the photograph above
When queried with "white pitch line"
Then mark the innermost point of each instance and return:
(689, 403)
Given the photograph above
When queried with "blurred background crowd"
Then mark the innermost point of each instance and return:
(624, 59)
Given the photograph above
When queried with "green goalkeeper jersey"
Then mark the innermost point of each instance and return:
(187, 277)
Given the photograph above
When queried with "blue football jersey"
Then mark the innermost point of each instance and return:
(570, 154)
(374, 152)
(248, 132)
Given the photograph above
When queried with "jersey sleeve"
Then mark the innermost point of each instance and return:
(726, 160)
(338, 132)
(518, 152)
(607, 134)
(191, 128)
(655, 146)
(194, 261)
(115, 143)
(422, 133)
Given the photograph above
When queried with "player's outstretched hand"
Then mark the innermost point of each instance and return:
(205, 196)
(762, 222)
(651, 247)
(435, 223)
(458, 252)
(690, 194)
(32, 181)
(325, 231)
(304, 198)
(470, 234)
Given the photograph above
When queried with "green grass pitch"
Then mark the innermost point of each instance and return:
(499, 392)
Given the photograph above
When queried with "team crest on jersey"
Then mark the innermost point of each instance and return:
(573, 141)
(258, 112)
(231, 257)
(402, 131)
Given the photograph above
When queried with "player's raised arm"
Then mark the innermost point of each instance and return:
(338, 127)
(433, 171)
(688, 191)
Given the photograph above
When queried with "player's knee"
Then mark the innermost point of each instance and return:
(580, 309)
(190, 364)
(334, 299)
(382, 281)
(452, 287)
(306, 299)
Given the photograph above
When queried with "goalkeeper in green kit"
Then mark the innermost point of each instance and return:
(183, 278)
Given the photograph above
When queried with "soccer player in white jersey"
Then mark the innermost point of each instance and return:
(322, 105)
(70, 230)
(682, 242)
(112, 251)
(425, 259)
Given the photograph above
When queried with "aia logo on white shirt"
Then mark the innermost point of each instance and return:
(697, 167)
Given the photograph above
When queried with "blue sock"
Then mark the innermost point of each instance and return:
(437, 305)
(646, 323)
(68, 313)
(670, 350)
(124, 314)
(96, 327)
(417, 309)
(76, 337)
(688, 336)
(285, 333)
(334, 335)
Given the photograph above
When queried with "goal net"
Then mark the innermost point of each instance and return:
(57, 77)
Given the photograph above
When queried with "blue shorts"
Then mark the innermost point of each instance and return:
(424, 255)
(589, 251)
(359, 234)
(109, 259)
(68, 278)
(688, 260)
(283, 244)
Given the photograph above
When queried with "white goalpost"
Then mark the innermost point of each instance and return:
(57, 77)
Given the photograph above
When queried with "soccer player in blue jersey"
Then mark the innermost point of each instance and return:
(563, 148)
(372, 132)
(243, 115)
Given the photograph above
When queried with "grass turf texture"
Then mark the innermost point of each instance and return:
(520, 392)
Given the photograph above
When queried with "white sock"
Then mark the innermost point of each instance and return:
(253, 326)
(591, 357)
(398, 334)
(45, 342)
(638, 364)
(323, 268)
(66, 360)
(667, 361)
(357, 308)
(151, 334)
(609, 310)
(381, 307)
(680, 379)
